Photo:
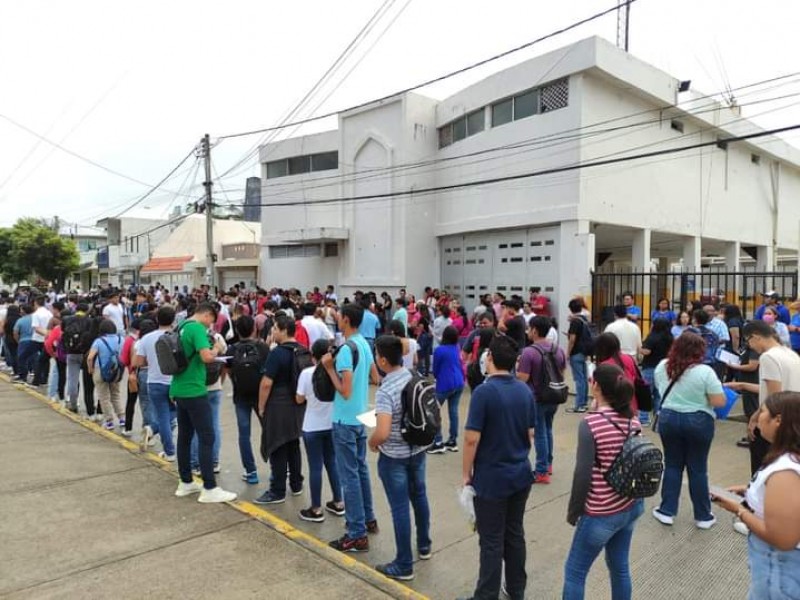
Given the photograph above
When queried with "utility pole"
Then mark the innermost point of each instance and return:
(623, 23)
(205, 144)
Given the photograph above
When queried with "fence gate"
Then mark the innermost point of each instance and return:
(743, 288)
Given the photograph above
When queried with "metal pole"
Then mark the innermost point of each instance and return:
(210, 275)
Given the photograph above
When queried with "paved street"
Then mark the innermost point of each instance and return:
(83, 517)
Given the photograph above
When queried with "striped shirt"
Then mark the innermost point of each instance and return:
(389, 401)
(601, 499)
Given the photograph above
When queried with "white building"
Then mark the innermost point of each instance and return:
(129, 245)
(586, 102)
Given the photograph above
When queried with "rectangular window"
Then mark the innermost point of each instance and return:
(459, 129)
(502, 112)
(517, 245)
(311, 250)
(331, 250)
(526, 104)
(554, 96)
(299, 165)
(475, 122)
(278, 251)
(445, 136)
(325, 161)
(277, 168)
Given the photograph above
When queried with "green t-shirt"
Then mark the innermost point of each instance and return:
(690, 392)
(192, 382)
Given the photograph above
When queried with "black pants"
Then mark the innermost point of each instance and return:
(42, 369)
(62, 378)
(194, 416)
(130, 408)
(88, 389)
(502, 539)
(758, 450)
(286, 458)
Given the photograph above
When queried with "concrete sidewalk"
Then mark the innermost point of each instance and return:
(84, 518)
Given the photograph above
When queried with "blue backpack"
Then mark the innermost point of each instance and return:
(712, 344)
(111, 369)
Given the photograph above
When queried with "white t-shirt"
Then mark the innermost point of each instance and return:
(147, 347)
(317, 330)
(115, 314)
(408, 358)
(319, 415)
(40, 318)
(778, 364)
(756, 491)
(628, 334)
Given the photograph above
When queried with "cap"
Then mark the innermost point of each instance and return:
(771, 294)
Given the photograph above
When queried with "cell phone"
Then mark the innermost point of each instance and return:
(716, 491)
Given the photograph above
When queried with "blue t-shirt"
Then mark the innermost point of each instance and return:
(634, 311)
(346, 410)
(447, 368)
(24, 328)
(794, 336)
(668, 315)
(106, 346)
(783, 313)
(369, 325)
(503, 411)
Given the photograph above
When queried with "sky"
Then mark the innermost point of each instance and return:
(134, 86)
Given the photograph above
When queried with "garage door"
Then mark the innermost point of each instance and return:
(509, 261)
(231, 277)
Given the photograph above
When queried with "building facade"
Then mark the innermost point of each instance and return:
(494, 188)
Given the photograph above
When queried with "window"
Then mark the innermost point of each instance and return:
(554, 95)
(676, 125)
(325, 161)
(459, 129)
(526, 104)
(475, 122)
(277, 168)
(502, 112)
(295, 251)
(299, 164)
(331, 250)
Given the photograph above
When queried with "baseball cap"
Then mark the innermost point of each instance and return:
(771, 294)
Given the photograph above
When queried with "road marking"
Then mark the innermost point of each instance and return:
(319, 547)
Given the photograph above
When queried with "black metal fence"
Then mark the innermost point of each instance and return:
(743, 288)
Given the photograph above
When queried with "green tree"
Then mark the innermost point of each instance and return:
(32, 248)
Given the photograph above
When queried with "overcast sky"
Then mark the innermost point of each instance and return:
(133, 86)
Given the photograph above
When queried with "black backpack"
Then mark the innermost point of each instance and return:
(588, 337)
(421, 418)
(321, 381)
(302, 360)
(78, 333)
(171, 358)
(636, 471)
(245, 367)
(551, 387)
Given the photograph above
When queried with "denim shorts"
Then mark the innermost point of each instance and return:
(774, 574)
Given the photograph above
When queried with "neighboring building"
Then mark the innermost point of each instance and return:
(252, 200)
(87, 240)
(181, 258)
(585, 102)
(129, 245)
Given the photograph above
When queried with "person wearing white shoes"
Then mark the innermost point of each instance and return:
(188, 388)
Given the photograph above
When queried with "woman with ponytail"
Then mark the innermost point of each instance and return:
(605, 520)
(689, 392)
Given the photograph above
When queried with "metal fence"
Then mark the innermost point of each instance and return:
(742, 288)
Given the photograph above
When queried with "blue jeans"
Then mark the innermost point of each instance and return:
(647, 375)
(577, 363)
(404, 481)
(687, 441)
(543, 436)
(774, 574)
(144, 398)
(350, 442)
(452, 398)
(195, 416)
(593, 534)
(214, 399)
(28, 359)
(320, 452)
(161, 410)
(243, 414)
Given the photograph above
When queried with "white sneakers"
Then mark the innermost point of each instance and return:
(706, 524)
(215, 495)
(662, 518)
(168, 457)
(187, 489)
(740, 527)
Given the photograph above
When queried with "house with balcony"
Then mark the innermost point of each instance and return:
(87, 240)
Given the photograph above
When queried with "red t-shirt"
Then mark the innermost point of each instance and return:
(631, 371)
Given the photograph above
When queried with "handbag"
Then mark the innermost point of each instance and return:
(644, 395)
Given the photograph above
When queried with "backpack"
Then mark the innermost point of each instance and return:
(636, 471)
(111, 370)
(588, 336)
(302, 360)
(321, 381)
(474, 375)
(245, 367)
(266, 331)
(170, 355)
(712, 344)
(78, 333)
(421, 418)
(551, 388)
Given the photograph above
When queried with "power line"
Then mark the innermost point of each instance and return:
(539, 173)
(438, 79)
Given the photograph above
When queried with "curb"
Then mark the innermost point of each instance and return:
(319, 547)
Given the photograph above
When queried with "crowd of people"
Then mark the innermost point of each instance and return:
(302, 364)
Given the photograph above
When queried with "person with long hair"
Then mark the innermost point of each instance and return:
(689, 392)
(654, 349)
(607, 352)
(732, 315)
(771, 507)
(449, 374)
(682, 323)
(605, 520)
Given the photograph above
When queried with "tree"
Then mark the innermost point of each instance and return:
(32, 248)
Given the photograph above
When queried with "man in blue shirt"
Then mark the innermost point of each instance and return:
(772, 298)
(349, 434)
(633, 311)
(498, 438)
(370, 325)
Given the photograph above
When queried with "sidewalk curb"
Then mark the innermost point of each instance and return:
(347, 563)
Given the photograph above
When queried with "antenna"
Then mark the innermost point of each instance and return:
(623, 23)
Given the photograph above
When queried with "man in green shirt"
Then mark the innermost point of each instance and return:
(188, 389)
